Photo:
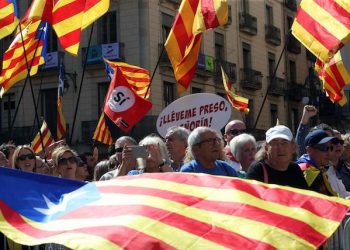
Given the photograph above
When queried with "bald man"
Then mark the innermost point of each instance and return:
(232, 129)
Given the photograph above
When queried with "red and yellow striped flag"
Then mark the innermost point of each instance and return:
(68, 18)
(334, 76)
(102, 133)
(8, 17)
(238, 102)
(46, 137)
(323, 26)
(61, 122)
(137, 77)
(183, 42)
(14, 67)
(165, 211)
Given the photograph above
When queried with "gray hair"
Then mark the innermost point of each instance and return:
(156, 140)
(180, 132)
(238, 142)
(125, 138)
(195, 136)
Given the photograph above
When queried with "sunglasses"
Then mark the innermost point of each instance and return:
(27, 156)
(323, 148)
(237, 131)
(64, 161)
(119, 150)
(336, 142)
(210, 140)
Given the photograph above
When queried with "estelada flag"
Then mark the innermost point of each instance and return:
(164, 211)
(122, 105)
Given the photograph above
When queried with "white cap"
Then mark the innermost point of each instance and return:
(280, 131)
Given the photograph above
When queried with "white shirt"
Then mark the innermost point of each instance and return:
(336, 184)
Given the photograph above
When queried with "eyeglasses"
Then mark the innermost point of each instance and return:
(27, 156)
(323, 148)
(119, 150)
(64, 161)
(237, 131)
(336, 142)
(210, 140)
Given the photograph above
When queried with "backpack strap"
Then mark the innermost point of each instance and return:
(266, 176)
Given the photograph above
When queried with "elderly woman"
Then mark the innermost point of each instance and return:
(205, 147)
(243, 148)
(158, 158)
(343, 168)
(24, 158)
(66, 161)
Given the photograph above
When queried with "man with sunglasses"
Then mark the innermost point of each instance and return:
(205, 148)
(232, 129)
(315, 163)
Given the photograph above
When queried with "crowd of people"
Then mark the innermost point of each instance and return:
(317, 158)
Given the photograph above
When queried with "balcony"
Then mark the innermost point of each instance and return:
(176, 2)
(272, 34)
(229, 68)
(276, 86)
(251, 79)
(205, 66)
(248, 23)
(291, 4)
(293, 45)
(20, 135)
(110, 51)
(295, 91)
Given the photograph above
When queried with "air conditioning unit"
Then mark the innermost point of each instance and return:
(111, 51)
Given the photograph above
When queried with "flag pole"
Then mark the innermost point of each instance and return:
(30, 79)
(154, 71)
(269, 85)
(81, 84)
(37, 100)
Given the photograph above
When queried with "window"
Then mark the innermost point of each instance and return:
(108, 28)
(168, 93)
(289, 23)
(9, 105)
(269, 15)
(271, 63)
(9, 101)
(219, 46)
(49, 108)
(102, 92)
(274, 114)
(52, 41)
(245, 6)
(195, 90)
(294, 120)
(250, 116)
(292, 78)
(167, 22)
(247, 57)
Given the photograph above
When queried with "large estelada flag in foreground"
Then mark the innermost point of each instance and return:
(68, 18)
(323, 26)
(137, 77)
(238, 102)
(183, 42)
(46, 138)
(122, 105)
(8, 17)
(164, 211)
(14, 64)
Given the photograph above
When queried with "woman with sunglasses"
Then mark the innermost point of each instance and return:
(66, 161)
(24, 158)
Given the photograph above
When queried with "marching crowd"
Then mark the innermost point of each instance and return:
(317, 158)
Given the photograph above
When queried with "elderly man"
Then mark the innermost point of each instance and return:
(205, 148)
(314, 164)
(232, 129)
(278, 168)
(124, 158)
(176, 143)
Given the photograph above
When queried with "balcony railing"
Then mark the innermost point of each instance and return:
(229, 68)
(291, 4)
(276, 86)
(295, 91)
(20, 135)
(272, 34)
(250, 79)
(248, 23)
(293, 45)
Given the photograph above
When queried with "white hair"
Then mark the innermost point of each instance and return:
(238, 142)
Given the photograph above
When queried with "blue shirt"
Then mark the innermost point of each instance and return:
(221, 168)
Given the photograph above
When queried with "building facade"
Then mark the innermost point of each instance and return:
(256, 40)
